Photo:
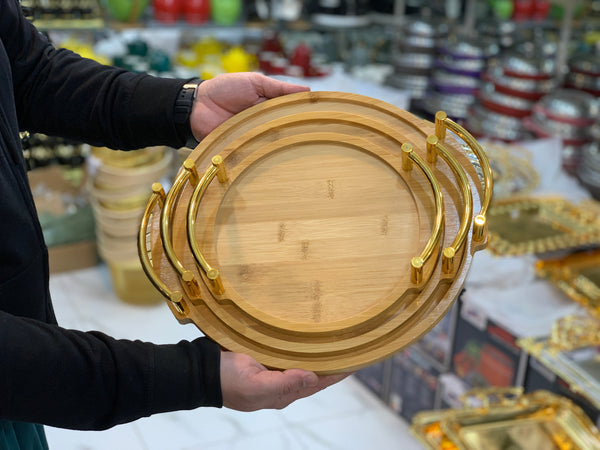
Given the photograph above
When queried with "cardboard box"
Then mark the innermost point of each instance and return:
(77, 255)
(451, 389)
(66, 217)
(437, 344)
(377, 378)
(485, 353)
(407, 382)
(414, 383)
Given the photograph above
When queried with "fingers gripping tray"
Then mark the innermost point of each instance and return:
(319, 230)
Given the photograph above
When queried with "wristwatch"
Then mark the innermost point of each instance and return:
(183, 109)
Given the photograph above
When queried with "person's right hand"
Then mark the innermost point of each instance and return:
(249, 386)
(220, 98)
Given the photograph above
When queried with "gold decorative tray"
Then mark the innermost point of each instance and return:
(538, 420)
(513, 172)
(540, 225)
(319, 230)
(572, 352)
(577, 275)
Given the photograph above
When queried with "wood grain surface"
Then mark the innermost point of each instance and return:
(314, 231)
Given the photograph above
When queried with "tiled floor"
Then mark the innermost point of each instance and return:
(345, 416)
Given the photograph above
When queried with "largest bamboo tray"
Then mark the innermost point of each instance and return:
(338, 231)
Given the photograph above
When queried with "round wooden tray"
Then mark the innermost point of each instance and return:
(319, 230)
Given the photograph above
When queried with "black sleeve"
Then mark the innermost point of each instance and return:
(50, 375)
(90, 381)
(59, 93)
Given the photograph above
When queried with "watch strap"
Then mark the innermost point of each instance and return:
(183, 109)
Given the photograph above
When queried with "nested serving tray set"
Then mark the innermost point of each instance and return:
(319, 230)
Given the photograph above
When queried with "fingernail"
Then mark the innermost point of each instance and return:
(310, 381)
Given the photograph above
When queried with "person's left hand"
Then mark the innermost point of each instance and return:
(247, 385)
(221, 97)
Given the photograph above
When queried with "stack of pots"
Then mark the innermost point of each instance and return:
(503, 32)
(588, 171)
(570, 114)
(456, 78)
(510, 86)
(119, 187)
(415, 52)
(584, 73)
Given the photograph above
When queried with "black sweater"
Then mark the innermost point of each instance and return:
(50, 375)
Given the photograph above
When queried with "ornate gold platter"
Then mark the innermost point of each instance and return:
(537, 420)
(513, 171)
(577, 275)
(319, 230)
(540, 225)
(572, 352)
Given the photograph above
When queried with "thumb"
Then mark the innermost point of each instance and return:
(288, 386)
(300, 379)
(272, 88)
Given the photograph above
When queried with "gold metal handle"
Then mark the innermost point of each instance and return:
(418, 262)
(157, 197)
(435, 147)
(217, 169)
(189, 282)
(442, 122)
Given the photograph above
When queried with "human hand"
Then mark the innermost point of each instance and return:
(249, 386)
(221, 97)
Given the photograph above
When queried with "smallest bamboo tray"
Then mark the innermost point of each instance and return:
(319, 230)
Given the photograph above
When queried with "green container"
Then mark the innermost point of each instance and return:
(126, 10)
(225, 12)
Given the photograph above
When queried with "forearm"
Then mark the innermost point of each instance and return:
(59, 93)
(87, 380)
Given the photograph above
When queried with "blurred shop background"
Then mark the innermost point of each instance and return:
(523, 76)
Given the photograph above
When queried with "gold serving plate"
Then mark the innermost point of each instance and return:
(572, 352)
(577, 275)
(538, 420)
(428, 429)
(513, 171)
(540, 225)
(320, 230)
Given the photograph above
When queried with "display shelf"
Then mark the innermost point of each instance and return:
(94, 24)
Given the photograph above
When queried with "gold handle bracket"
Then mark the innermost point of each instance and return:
(175, 297)
(216, 169)
(435, 147)
(442, 122)
(189, 282)
(418, 262)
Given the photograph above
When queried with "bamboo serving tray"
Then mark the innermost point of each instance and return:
(319, 230)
